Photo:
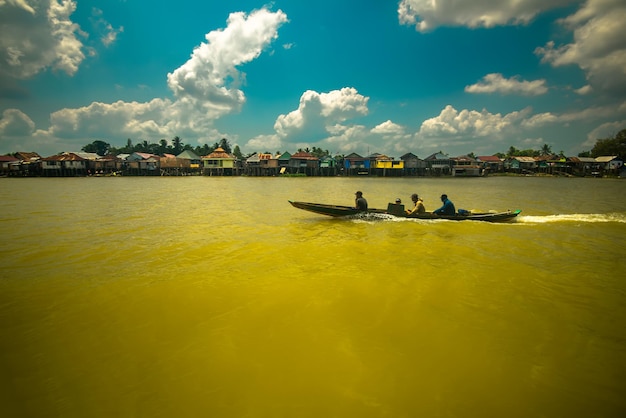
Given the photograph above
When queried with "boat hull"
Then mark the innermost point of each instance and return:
(341, 211)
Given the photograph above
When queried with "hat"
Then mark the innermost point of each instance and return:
(359, 193)
(398, 200)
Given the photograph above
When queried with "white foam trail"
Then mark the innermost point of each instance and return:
(575, 217)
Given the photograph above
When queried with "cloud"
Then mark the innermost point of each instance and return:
(347, 139)
(204, 90)
(599, 45)
(496, 83)
(15, 126)
(119, 119)
(36, 35)
(584, 90)
(452, 123)
(210, 76)
(606, 130)
(20, 4)
(15, 123)
(426, 15)
(108, 34)
(265, 143)
(388, 128)
(321, 119)
(317, 111)
(587, 114)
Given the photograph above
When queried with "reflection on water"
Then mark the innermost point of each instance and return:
(213, 296)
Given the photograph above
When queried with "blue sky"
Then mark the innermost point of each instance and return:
(348, 76)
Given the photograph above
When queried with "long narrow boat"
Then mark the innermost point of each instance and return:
(339, 211)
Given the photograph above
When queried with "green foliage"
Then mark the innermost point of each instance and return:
(611, 146)
(514, 152)
(607, 146)
(225, 145)
(319, 153)
(237, 152)
(177, 144)
(162, 147)
(545, 150)
(99, 147)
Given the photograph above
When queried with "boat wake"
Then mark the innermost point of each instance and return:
(575, 217)
(521, 219)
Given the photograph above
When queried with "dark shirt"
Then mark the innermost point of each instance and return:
(447, 208)
(361, 203)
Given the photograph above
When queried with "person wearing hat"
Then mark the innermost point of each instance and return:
(447, 208)
(418, 205)
(360, 203)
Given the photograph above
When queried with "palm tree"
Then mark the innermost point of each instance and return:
(512, 152)
(163, 146)
(178, 145)
(546, 150)
(225, 145)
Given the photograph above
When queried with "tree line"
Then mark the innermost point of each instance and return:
(615, 145)
(608, 146)
(175, 147)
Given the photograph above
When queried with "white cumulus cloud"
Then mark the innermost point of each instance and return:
(598, 47)
(496, 83)
(426, 15)
(15, 123)
(211, 76)
(317, 111)
(38, 34)
(321, 119)
(470, 123)
(388, 128)
(204, 88)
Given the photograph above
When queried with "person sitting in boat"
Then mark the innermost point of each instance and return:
(418, 205)
(360, 203)
(447, 208)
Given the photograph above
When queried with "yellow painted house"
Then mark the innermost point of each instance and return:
(383, 161)
(219, 161)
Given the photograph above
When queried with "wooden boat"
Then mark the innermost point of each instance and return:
(398, 211)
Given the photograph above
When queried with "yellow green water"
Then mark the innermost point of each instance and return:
(204, 296)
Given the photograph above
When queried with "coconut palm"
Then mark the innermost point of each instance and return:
(546, 150)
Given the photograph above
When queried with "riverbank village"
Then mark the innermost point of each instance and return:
(222, 163)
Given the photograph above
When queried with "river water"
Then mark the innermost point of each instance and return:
(213, 297)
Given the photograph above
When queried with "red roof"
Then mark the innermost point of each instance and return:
(220, 153)
(25, 156)
(489, 158)
(304, 156)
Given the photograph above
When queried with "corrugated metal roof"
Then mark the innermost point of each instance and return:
(66, 156)
(606, 159)
(189, 155)
(27, 156)
(525, 159)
